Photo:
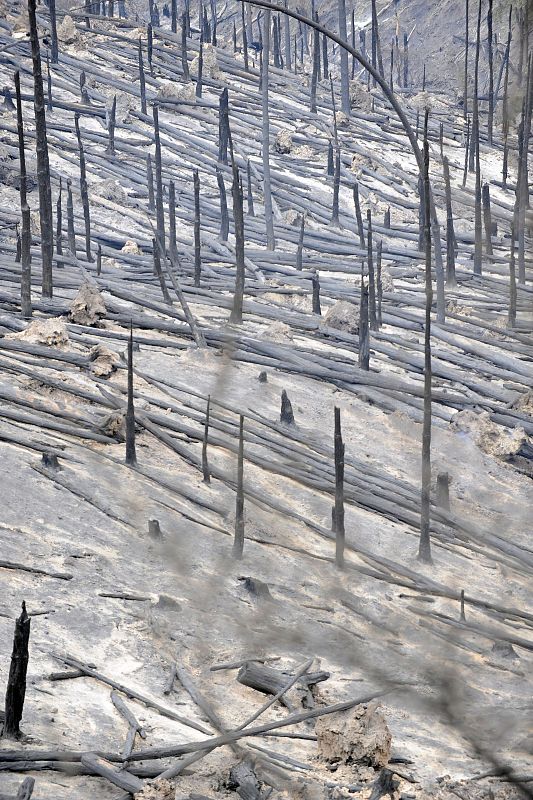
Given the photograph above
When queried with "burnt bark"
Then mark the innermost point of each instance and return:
(131, 456)
(16, 682)
(338, 509)
(83, 190)
(238, 542)
(25, 238)
(197, 227)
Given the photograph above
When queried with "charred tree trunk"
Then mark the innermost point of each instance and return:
(54, 49)
(200, 76)
(238, 543)
(372, 317)
(379, 282)
(224, 217)
(490, 117)
(205, 464)
(450, 232)
(424, 548)
(238, 221)
(25, 239)
(223, 127)
(358, 215)
(184, 62)
(338, 508)
(345, 75)
(16, 682)
(244, 41)
(142, 81)
(71, 236)
(465, 85)
(336, 188)
(364, 337)
(172, 245)
(150, 183)
(250, 198)
(84, 191)
(316, 294)
(267, 190)
(197, 227)
(159, 273)
(159, 207)
(478, 234)
(59, 220)
(314, 74)
(511, 319)
(300, 249)
(487, 219)
(111, 128)
(43, 166)
(131, 456)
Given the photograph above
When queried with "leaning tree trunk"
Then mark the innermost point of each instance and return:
(424, 549)
(43, 165)
(25, 248)
(84, 191)
(267, 190)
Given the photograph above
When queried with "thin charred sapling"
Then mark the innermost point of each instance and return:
(316, 294)
(372, 316)
(197, 226)
(421, 213)
(111, 120)
(49, 103)
(223, 127)
(84, 94)
(16, 682)
(159, 207)
(267, 190)
(338, 508)
(358, 215)
(131, 456)
(462, 616)
(424, 548)
(238, 222)
(18, 252)
(364, 336)
(286, 415)
(386, 218)
(275, 44)
(485, 194)
(43, 166)
(172, 220)
(325, 59)
(99, 259)
(71, 236)
(59, 219)
(300, 248)
(238, 542)
(224, 216)
(336, 187)
(184, 62)
(287, 38)
(450, 232)
(25, 239)
(511, 318)
(522, 182)
(249, 195)
(150, 183)
(159, 273)
(83, 190)
(205, 463)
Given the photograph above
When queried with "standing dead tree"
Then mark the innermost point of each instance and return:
(197, 224)
(364, 338)
(159, 208)
(465, 76)
(475, 145)
(450, 232)
(131, 456)
(238, 542)
(338, 508)
(345, 76)
(25, 239)
(224, 217)
(54, 50)
(205, 463)
(424, 548)
(267, 189)
(16, 682)
(43, 165)
(372, 316)
(83, 190)
(238, 221)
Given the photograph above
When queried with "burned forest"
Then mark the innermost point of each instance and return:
(266, 399)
